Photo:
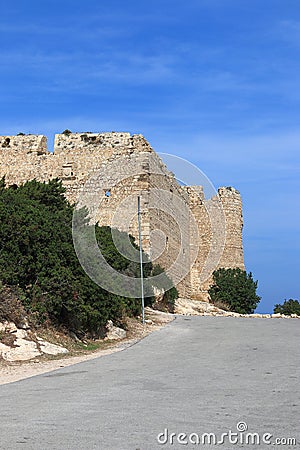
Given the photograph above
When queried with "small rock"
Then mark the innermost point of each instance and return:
(114, 333)
(51, 349)
(25, 325)
(22, 334)
(149, 322)
(8, 327)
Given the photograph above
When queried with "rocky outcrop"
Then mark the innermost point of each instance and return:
(22, 344)
(189, 307)
(114, 333)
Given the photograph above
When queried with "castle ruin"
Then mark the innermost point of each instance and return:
(77, 156)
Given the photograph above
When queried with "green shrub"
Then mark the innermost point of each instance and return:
(288, 307)
(235, 288)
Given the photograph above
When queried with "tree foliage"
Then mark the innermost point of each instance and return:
(167, 302)
(288, 307)
(37, 256)
(235, 288)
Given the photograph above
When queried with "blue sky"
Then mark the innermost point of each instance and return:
(213, 81)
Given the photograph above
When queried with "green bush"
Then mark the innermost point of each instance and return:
(236, 289)
(38, 257)
(288, 307)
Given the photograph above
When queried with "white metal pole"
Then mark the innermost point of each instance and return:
(141, 260)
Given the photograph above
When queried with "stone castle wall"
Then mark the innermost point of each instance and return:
(219, 236)
(78, 156)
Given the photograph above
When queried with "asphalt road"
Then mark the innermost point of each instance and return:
(197, 375)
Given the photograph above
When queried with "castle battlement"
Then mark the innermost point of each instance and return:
(24, 143)
(75, 142)
(95, 142)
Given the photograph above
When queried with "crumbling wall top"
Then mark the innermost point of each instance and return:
(24, 143)
(228, 191)
(195, 193)
(117, 142)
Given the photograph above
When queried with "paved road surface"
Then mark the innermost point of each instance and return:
(197, 375)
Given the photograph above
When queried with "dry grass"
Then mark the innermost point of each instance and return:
(11, 308)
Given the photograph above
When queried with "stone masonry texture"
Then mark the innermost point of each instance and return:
(180, 228)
